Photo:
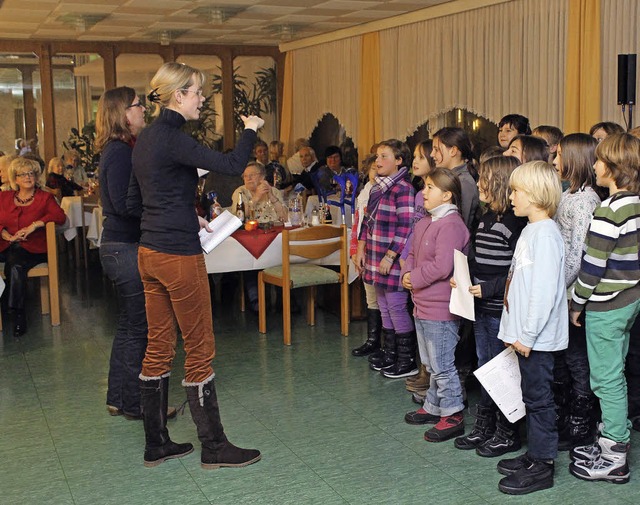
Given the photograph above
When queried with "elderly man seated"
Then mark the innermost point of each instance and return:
(264, 204)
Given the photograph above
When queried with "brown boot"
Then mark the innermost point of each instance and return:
(418, 382)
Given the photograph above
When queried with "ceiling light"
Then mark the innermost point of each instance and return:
(217, 16)
(80, 24)
(285, 32)
(165, 38)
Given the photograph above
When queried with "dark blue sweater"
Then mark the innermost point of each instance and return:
(164, 179)
(115, 173)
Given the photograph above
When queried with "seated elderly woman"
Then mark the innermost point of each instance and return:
(55, 179)
(262, 201)
(24, 213)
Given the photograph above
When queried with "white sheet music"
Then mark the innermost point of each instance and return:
(501, 379)
(461, 302)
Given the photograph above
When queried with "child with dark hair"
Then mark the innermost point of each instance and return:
(385, 228)
(601, 131)
(452, 150)
(574, 399)
(551, 135)
(528, 148)
(510, 126)
(608, 290)
(426, 273)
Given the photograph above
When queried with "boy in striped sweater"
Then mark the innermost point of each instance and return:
(608, 288)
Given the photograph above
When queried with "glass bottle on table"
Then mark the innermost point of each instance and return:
(240, 208)
(295, 210)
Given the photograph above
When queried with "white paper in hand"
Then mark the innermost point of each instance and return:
(500, 377)
(222, 226)
(461, 302)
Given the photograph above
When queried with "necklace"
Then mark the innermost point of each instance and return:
(26, 200)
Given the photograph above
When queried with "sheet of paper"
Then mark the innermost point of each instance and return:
(202, 172)
(222, 226)
(461, 302)
(500, 377)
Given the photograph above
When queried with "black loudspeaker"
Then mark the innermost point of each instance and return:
(627, 79)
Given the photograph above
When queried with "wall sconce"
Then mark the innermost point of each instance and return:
(165, 38)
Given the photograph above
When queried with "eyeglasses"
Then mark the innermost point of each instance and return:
(26, 174)
(196, 91)
(137, 104)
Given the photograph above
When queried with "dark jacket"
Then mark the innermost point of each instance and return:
(163, 183)
(57, 181)
(115, 174)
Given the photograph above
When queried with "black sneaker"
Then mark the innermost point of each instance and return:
(400, 370)
(535, 476)
(511, 466)
(417, 417)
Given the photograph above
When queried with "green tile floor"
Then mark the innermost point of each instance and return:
(330, 430)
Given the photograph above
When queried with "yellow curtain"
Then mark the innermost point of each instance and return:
(369, 117)
(583, 71)
(286, 116)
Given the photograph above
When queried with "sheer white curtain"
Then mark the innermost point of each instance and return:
(326, 79)
(620, 19)
(507, 58)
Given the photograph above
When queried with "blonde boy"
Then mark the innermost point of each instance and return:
(535, 321)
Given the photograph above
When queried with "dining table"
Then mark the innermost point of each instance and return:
(73, 208)
(259, 249)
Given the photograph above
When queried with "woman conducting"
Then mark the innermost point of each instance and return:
(24, 212)
(172, 267)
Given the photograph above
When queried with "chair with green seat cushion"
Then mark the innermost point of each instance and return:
(307, 244)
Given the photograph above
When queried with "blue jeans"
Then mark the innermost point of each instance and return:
(488, 346)
(120, 263)
(536, 378)
(439, 340)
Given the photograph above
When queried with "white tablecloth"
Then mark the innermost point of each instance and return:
(94, 232)
(72, 207)
(231, 256)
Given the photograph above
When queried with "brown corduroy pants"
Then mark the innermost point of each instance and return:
(177, 288)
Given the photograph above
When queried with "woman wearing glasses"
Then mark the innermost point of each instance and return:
(24, 213)
(172, 265)
(119, 119)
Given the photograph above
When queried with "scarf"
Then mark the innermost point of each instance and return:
(381, 186)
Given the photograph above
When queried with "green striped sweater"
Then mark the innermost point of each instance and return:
(609, 275)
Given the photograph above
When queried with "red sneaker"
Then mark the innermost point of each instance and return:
(448, 427)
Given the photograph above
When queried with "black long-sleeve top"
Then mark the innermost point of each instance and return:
(164, 179)
(115, 174)
(58, 181)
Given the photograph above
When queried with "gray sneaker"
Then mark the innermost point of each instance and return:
(610, 465)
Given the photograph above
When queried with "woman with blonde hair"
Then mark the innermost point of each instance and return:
(24, 212)
(172, 267)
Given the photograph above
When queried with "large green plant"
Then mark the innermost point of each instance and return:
(259, 97)
(83, 143)
(203, 129)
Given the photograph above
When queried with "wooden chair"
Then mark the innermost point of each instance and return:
(48, 273)
(303, 243)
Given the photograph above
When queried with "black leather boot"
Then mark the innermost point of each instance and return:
(505, 439)
(405, 364)
(154, 396)
(582, 424)
(217, 451)
(483, 429)
(389, 354)
(376, 357)
(374, 327)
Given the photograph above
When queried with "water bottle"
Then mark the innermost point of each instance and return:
(295, 210)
